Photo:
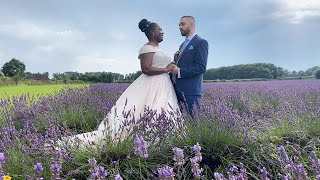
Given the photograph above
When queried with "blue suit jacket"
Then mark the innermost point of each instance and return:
(192, 64)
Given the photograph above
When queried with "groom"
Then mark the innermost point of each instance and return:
(191, 62)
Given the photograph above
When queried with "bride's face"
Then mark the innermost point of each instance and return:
(158, 34)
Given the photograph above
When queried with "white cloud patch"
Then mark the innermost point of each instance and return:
(92, 63)
(297, 11)
(96, 63)
(39, 33)
(118, 36)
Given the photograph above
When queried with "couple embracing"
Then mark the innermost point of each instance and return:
(164, 84)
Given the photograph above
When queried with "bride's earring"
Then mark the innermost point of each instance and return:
(152, 34)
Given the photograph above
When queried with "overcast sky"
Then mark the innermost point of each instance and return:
(101, 35)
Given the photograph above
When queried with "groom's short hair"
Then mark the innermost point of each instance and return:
(190, 17)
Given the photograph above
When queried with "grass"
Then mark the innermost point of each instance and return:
(6, 92)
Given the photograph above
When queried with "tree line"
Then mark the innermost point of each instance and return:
(95, 77)
(17, 70)
(256, 70)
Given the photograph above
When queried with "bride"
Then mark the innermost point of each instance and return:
(152, 90)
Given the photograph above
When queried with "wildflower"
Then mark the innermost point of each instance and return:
(55, 169)
(141, 147)
(219, 176)
(38, 169)
(264, 174)
(283, 155)
(102, 172)
(166, 173)
(2, 162)
(196, 150)
(315, 162)
(118, 177)
(97, 172)
(6, 178)
(196, 170)
(178, 156)
(2, 158)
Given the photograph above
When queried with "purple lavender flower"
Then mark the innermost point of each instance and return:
(264, 174)
(178, 156)
(242, 172)
(2, 158)
(38, 168)
(315, 162)
(55, 168)
(287, 177)
(219, 176)
(92, 162)
(283, 155)
(102, 172)
(117, 177)
(300, 171)
(165, 173)
(196, 148)
(2, 162)
(196, 170)
(141, 147)
(97, 172)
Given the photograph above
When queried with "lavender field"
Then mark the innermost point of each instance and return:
(244, 130)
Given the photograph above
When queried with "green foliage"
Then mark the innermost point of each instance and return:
(96, 77)
(14, 67)
(312, 71)
(317, 75)
(244, 71)
(257, 71)
(81, 118)
(16, 78)
(216, 142)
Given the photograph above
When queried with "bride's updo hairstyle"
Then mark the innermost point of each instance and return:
(147, 27)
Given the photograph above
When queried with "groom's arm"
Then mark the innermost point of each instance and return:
(200, 64)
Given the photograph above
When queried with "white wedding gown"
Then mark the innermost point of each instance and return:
(154, 92)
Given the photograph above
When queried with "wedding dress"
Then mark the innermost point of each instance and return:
(155, 92)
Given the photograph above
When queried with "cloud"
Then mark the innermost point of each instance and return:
(297, 11)
(118, 36)
(98, 63)
(104, 36)
(39, 33)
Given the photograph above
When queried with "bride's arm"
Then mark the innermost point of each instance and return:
(147, 68)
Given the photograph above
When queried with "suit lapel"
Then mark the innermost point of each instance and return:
(187, 47)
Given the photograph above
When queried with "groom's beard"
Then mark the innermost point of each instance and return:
(185, 32)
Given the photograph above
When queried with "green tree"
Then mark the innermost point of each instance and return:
(16, 78)
(318, 74)
(301, 73)
(14, 67)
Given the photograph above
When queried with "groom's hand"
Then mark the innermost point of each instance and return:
(175, 70)
(175, 56)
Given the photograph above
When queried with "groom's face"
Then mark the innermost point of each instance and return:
(185, 26)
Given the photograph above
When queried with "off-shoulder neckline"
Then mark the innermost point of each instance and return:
(152, 46)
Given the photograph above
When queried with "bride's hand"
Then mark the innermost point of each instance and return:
(170, 67)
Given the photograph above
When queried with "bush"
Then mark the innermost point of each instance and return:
(317, 75)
